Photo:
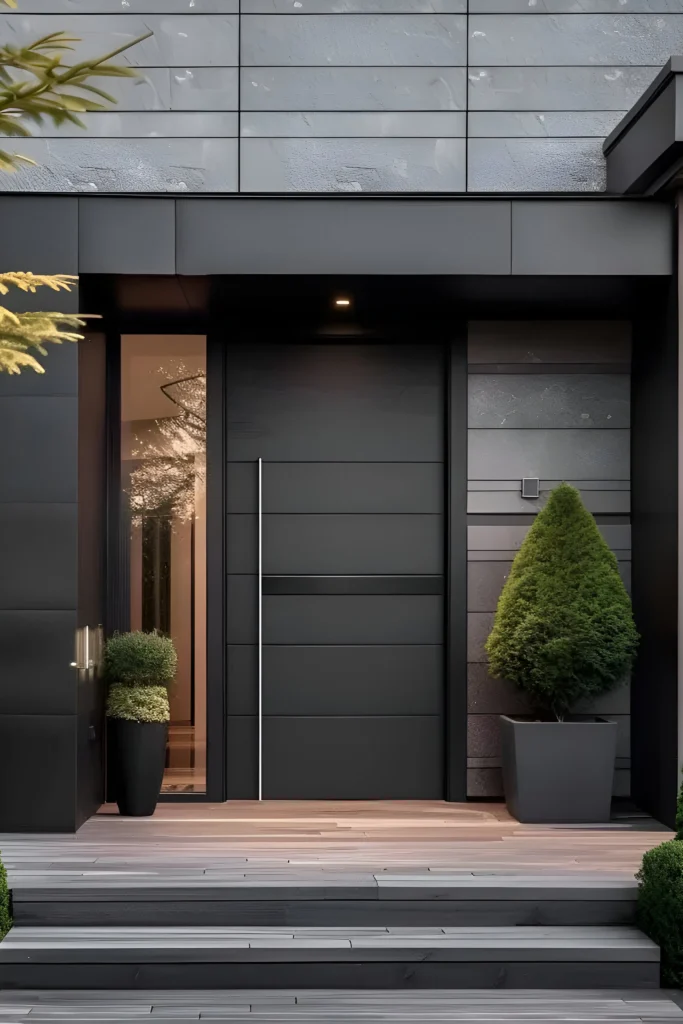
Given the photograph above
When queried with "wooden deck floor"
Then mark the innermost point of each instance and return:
(292, 840)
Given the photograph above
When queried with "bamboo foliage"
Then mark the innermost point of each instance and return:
(37, 84)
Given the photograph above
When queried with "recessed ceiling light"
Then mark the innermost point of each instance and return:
(342, 302)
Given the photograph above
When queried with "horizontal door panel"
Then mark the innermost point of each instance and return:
(335, 403)
(336, 758)
(329, 545)
(372, 680)
(325, 487)
(353, 758)
(332, 619)
(337, 545)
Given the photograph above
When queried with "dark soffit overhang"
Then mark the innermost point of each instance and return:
(645, 151)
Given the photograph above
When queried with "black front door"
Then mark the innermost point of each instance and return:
(351, 438)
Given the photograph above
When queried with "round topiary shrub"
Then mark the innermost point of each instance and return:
(140, 659)
(660, 906)
(564, 628)
(138, 703)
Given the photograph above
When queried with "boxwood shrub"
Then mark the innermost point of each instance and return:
(660, 906)
(138, 703)
(140, 659)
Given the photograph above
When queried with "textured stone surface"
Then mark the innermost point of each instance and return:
(278, 124)
(484, 583)
(190, 39)
(536, 165)
(131, 165)
(356, 39)
(574, 39)
(379, 88)
(576, 6)
(557, 88)
(550, 124)
(479, 626)
(352, 165)
(484, 782)
(548, 341)
(113, 124)
(570, 454)
(549, 400)
(607, 502)
(354, 6)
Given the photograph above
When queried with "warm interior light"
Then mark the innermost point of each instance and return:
(342, 302)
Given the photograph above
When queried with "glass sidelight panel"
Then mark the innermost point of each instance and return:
(163, 479)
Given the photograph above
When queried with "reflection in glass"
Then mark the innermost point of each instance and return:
(163, 474)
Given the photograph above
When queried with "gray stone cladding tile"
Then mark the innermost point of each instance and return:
(608, 502)
(549, 400)
(479, 625)
(557, 88)
(492, 537)
(114, 124)
(131, 165)
(486, 695)
(484, 583)
(574, 39)
(181, 40)
(356, 39)
(549, 341)
(576, 6)
(352, 165)
(118, 7)
(354, 7)
(572, 454)
(567, 124)
(176, 89)
(484, 782)
(347, 89)
(347, 124)
(536, 165)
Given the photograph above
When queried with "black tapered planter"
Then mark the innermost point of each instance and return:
(140, 756)
(558, 771)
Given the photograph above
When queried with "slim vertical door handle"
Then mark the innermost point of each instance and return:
(260, 629)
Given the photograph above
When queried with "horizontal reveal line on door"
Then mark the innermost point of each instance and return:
(281, 585)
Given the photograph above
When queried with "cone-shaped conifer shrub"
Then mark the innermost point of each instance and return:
(564, 628)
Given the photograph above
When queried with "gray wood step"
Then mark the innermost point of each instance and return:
(335, 1007)
(342, 899)
(238, 957)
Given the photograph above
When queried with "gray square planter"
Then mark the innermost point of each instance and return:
(558, 771)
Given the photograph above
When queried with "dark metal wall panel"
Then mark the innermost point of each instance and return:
(126, 235)
(37, 647)
(38, 762)
(39, 555)
(656, 468)
(580, 237)
(332, 487)
(40, 233)
(405, 236)
(337, 680)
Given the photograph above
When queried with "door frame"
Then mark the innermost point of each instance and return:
(117, 615)
(453, 341)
